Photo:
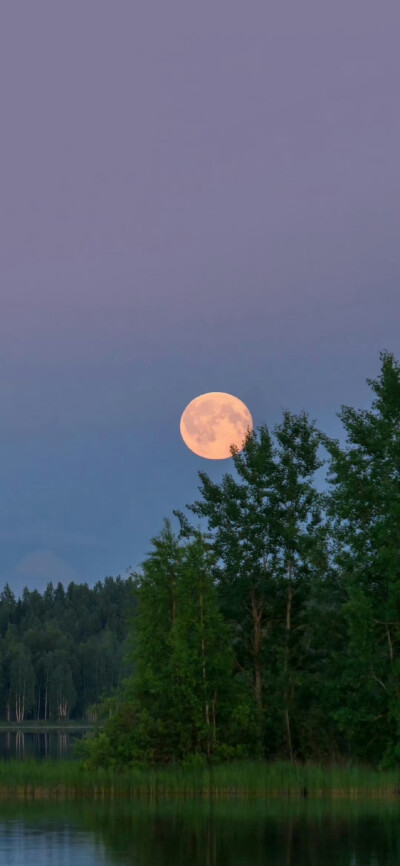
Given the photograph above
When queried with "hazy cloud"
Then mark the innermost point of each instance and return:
(44, 565)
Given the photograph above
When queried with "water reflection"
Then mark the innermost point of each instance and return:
(38, 744)
(201, 833)
(20, 744)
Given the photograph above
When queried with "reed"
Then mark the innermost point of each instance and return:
(38, 779)
(43, 727)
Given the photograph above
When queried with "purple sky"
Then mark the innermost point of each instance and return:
(194, 197)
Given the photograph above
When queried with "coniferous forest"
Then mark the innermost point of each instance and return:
(62, 650)
(263, 623)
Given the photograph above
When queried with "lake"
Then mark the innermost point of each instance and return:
(200, 833)
(38, 744)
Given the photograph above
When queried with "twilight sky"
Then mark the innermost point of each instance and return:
(193, 197)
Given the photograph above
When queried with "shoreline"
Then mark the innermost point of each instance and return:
(69, 779)
(62, 793)
(36, 727)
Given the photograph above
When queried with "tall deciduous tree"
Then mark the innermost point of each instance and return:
(182, 698)
(365, 506)
(269, 535)
(202, 657)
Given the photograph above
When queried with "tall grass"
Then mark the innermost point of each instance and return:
(251, 778)
(44, 726)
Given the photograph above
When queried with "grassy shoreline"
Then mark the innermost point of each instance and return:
(48, 726)
(69, 779)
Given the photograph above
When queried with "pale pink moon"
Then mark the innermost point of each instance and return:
(212, 422)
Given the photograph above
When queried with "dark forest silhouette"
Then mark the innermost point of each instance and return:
(61, 650)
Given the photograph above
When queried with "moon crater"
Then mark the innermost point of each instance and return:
(212, 422)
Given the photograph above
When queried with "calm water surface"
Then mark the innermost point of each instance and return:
(200, 833)
(38, 744)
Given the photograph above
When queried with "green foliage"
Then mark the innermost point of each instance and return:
(268, 533)
(183, 698)
(63, 650)
(364, 505)
(287, 608)
(274, 633)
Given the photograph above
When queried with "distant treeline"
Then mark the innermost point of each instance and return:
(274, 629)
(63, 649)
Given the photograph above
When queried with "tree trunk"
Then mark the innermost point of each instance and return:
(214, 726)
(173, 599)
(286, 673)
(8, 705)
(203, 665)
(257, 615)
(45, 699)
(23, 701)
(390, 643)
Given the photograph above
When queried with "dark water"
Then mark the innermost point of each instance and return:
(38, 744)
(200, 833)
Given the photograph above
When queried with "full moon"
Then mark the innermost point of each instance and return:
(212, 422)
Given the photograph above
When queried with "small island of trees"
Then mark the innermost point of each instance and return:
(267, 625)
(264, 624)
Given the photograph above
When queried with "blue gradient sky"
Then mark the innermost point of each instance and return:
(194, 197)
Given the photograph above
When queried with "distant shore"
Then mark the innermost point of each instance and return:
(49, 726)
(52, 779)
